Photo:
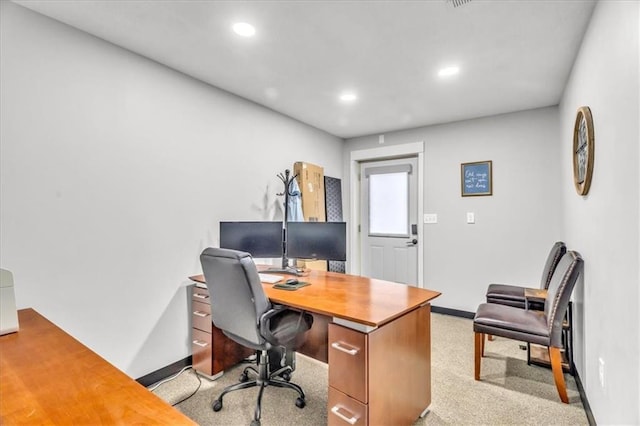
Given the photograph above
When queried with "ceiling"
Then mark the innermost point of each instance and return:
(513, 55)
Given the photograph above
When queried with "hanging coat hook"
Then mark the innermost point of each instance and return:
(286, 180)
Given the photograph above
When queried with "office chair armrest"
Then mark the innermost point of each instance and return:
(275, 310)
(281, 310)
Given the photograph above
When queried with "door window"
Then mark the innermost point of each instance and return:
(389, 201)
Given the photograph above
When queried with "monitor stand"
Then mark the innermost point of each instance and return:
(289, 270)
(284, 269)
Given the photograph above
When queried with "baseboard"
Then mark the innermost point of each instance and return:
(583, 397)
(155, 376)
(452, 312)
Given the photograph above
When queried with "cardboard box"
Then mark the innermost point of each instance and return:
(316, 265)
(311, 182)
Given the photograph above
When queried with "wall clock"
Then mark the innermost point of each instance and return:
(583, 150)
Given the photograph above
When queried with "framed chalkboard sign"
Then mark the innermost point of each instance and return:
(476, 178)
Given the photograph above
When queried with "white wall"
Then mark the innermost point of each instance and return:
(603, 225)
(515, 227)
(115, 171)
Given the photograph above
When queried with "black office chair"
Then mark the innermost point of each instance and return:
(513, 295)
(539, 327)
(240, 308)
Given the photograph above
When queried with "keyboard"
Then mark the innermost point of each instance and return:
(270, 278)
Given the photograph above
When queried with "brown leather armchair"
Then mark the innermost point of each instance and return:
(532, 326)
(513, 295)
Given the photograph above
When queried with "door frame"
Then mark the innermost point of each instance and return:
(415, 149)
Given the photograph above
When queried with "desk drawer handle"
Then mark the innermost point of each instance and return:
(200, 296)
(201, 344)
(200, 314)
(336, 345)
(351, 420)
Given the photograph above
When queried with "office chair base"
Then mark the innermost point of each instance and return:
(263, 380)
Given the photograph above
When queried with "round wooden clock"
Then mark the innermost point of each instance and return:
(583, 150)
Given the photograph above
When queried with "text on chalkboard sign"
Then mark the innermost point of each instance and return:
(476, 178)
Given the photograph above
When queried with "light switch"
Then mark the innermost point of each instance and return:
(471, 217)
(430, 218)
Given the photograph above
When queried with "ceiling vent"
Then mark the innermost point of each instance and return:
(457, 3)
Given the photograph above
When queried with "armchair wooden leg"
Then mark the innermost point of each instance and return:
(490, 337)
(558, 373)
(482, 345)
(479, 339)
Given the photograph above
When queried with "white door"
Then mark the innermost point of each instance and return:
(389, 220)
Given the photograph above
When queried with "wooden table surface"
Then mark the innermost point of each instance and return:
(47, 377)
(363, 300)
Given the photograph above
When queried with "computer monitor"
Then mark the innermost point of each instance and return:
(260, 239)
(317, 240)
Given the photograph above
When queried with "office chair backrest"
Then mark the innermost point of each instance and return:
(557, 251)
(559, 292)
(237, 298)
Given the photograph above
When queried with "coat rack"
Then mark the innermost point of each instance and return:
(286, 180)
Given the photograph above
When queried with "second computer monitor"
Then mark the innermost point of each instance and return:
(317, 240)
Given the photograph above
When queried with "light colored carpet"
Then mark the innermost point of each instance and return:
(510, 391)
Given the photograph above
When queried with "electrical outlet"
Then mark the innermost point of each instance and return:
(601, 371)
(471, 217)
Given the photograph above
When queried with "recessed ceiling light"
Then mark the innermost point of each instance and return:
(244, 29)
(448, 71)
(348, 97)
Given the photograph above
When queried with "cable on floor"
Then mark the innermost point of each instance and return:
(175, 376)
(251, 359)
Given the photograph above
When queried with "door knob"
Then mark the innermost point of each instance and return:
(412, 242)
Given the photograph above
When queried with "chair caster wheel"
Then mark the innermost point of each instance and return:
(286, 376)
(300, 403)
(217, 405)
(255, 422)
(243, 377)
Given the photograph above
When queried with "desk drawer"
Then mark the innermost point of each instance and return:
(342, 410)
(200, 295)
(201, 316)
(348, 362)
(202, 350)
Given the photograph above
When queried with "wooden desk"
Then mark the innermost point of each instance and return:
(47, 377)
(376, 337)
